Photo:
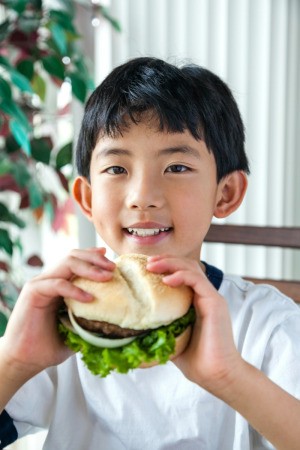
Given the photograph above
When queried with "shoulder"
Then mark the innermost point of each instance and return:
(259, 313)
(243, 293)
(253, 306)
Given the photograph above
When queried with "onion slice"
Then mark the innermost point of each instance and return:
(95, 339)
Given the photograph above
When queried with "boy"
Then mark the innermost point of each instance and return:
(161, 150)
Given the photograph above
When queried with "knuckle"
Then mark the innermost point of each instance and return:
(29, 285)
(59, 283)
(70, 258)
(73, 254)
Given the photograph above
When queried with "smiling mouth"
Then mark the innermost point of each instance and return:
(145, 232)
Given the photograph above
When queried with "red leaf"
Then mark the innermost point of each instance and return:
(60, 221)
(38, 213)
(4, 267)
(4, 131)
(56, 81)
(35, 261)
(24, 200)
(26, 41)
(63, 180)
(7, 182)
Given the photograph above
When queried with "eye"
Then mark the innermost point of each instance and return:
(177, 168)
(115, 170)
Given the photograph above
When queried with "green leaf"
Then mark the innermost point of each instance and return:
(54, 66)
(5, 90)
(26, 68)
(21, 135)
(3, 323)
(5, 62)
(11, 145)
(72, 38)
(69, 7)
(37, 4)
(29, 24)
(21, 174)
(63, 19)
(5, 166)
(84, 72)
(79, 88)
(5, 242)
(49, 210)
(10, 295)
(81, 66)
(64, 156)
(59, 37)
(9, 292)
(39, 86)
(4, 30)
(106, 14)
(17, 5)
(41, 150)
(35, 195)
(8, 216)
(13, 110)
(20, 81)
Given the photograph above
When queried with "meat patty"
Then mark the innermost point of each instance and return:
(107, 329)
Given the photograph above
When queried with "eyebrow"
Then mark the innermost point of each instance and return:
(181, 149)
(112, 151)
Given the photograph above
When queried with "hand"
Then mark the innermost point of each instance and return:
(212, 361)
(31, 341)
(211, 356)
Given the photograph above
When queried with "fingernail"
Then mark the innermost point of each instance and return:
(87, 295)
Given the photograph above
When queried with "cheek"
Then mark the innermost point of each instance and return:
(194, 208)
(195, 197)
(105, 205)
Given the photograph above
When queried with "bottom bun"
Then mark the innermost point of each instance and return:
(181, 343)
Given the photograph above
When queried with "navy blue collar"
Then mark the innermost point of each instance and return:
(8, 432)
(214, 275)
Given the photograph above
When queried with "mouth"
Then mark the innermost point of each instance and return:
(147, 232)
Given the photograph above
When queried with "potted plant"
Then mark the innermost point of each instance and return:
(39, 53)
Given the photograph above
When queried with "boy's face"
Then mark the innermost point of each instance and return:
(151, 192)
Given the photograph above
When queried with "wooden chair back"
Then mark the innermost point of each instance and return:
(283, 237)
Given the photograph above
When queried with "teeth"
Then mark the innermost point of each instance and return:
(144, 232)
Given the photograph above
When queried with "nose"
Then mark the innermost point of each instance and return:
(145, 191)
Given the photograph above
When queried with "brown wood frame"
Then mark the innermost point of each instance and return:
(283, 237)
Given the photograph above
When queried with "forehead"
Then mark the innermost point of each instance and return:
(147, 137)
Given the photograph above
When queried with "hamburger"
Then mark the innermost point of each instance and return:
(135, 320)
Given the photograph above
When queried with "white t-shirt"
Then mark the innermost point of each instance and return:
(158, 408)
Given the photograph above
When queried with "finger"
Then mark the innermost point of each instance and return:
(45, 291)
(101, 250)
(91, 265)
(155, 258)
(170, 264)
(95, 256)
(195, 279)
(78, 268)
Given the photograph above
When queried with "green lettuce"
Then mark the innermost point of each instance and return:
(157, 345)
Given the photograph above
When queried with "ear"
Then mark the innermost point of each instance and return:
(231, 192)
(82, 193)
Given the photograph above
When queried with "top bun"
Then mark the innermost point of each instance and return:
(134, 298)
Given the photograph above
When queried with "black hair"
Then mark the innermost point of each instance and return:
(187, 98)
